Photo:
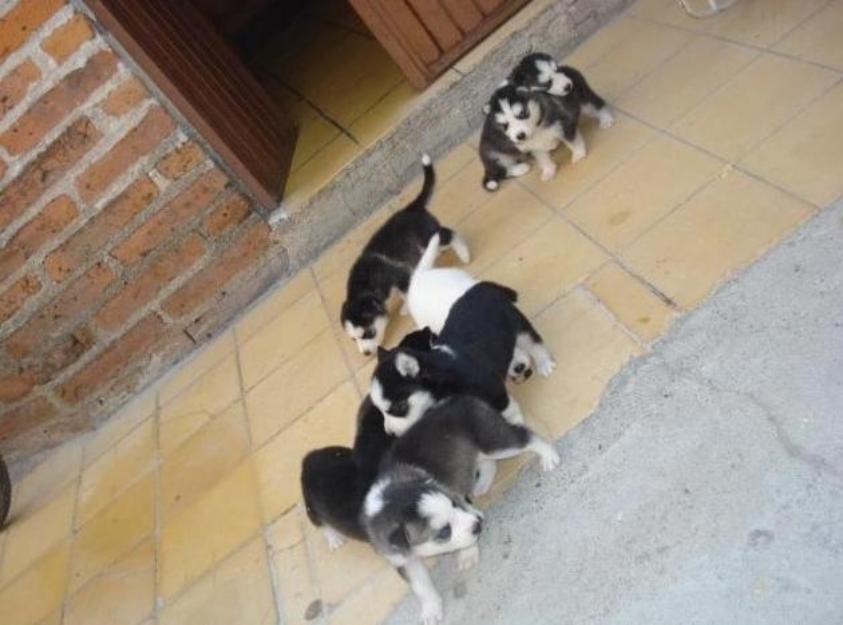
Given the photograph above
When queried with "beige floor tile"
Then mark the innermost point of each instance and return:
(342, 571)
(631, 301)
(641, 191)
(52, 619)
(206, 531)
(547, 264)
(315, 132)
(461, 195)
(288, 530)
(59, 468)
(282, 338)
(333, 289)
(194, 368)
(295, 584)
(237, 591)
(119, 425)
(664, 11)
(273, 304)
(124, 593)
(818, 39)
(203, 460)
(345, 79)
(294, 387)
(213, 391)
(641, 48)
(363, 377)
(731, 122)
(716, 233)
(606, 149)
(330, 422)
(509, 218)
(590, 347)
(759, 22)
(678, 85)
(606, 41)
(372, 603)
(37, 593)
(317, 172)
(113, 531)
(121, 466)
(384, 114)
(31, 536)
(805, 155)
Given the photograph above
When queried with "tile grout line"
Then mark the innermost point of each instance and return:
(71, 549)
(645, 348)
(157, 600)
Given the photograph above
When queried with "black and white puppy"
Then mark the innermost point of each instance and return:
(386, 263)
(534, 110)
(420, 507)
(334, 480)
(431, 298)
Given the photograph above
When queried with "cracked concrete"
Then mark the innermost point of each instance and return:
(708, 486)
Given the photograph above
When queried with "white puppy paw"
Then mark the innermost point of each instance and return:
(578, 154)
(512, 412)
(468, 558)
(549, 458)
(548, 173)
(431, 612)
(545, 363)
(519, 170)
(334, 539)
(605, 118)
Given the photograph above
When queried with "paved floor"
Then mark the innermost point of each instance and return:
(185, 508)
(708, 486)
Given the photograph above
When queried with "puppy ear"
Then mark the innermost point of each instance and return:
(398, 539)
(382, 353)
(408, 366)
(487, 108)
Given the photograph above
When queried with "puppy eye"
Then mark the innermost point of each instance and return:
(504, 126)
(444, 533)
(523, 115)
(399, 408)
(368, 333)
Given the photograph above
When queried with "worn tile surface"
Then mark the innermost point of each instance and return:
(185, 508)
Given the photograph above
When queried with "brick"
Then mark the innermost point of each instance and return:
(140, 290)
(69, 348)
(139, 141)
(124, 98)
(170, 217)
(89, 240)
(177, 163)
(21, 419)
(118, 357)
(2, 169)
(16, 85)
(18, 23)
(51, 165)
(67, 38)
(17, 385)
(210, 282)
(230, 213)
(80, 296)
(52, 219)
(16, 295)
(59, 102)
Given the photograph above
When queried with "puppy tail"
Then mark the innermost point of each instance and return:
(420, 203)
(430, 253)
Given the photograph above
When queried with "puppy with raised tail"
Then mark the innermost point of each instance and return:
(420, 504)
(386, 263)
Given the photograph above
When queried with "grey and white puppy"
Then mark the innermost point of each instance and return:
(534, 110)
(420, 504)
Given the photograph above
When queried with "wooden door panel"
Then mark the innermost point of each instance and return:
(196, 69)
(425, 37)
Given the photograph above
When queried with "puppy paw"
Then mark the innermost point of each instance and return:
(605, 118)
(519, 170)
(491, 185)
(512, 413)
(578, 155)
(468, 558)
(548, 173)
(549, 459)
(431, 612)
(545, 363)
(334, 539)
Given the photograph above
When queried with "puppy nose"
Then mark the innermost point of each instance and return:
(367, 352)
(527, 374)
(478, 527)
(521, 136)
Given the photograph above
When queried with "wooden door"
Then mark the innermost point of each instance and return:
(201, 75)
(426, 36)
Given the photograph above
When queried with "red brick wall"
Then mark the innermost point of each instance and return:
(122, 244)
